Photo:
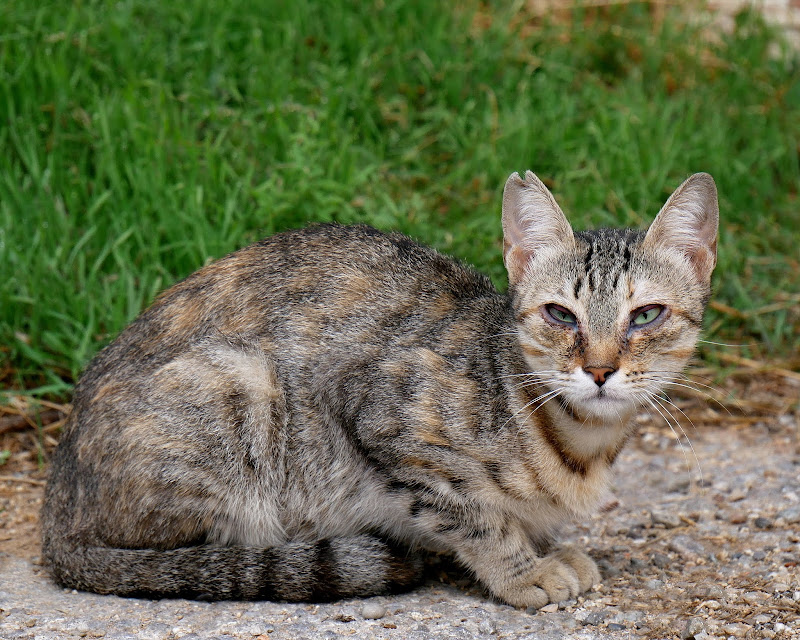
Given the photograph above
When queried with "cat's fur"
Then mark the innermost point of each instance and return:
(299, 419)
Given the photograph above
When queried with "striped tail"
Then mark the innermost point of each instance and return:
(348, 567)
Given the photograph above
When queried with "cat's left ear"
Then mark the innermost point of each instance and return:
(688, 223)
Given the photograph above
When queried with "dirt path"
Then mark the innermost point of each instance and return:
(681, 557)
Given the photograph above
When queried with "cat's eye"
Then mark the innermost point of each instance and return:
(646, 315)
(561, 315)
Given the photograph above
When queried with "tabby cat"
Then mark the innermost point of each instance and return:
(306, 417)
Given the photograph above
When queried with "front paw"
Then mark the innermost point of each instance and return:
(559, 576)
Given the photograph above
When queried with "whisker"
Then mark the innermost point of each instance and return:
(548, 395)
(530, 415)
(723, 344)
(655, 406)
(689, 442)
(530, 374)
(687, 383)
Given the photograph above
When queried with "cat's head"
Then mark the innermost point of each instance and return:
(607, 317)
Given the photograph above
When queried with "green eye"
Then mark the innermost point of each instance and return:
(646, 315)
(560, 314)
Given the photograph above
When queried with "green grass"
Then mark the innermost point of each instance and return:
(139, 139)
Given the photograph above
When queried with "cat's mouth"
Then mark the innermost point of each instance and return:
(605, 404)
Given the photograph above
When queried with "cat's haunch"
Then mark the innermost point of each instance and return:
(306, 417)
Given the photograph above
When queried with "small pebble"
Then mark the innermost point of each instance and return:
(762, 523)
(373, 611)
(693, 627)
(616, 626)
(550, 608)
(790, 515)
(487, 627)
(668, 519)
(759, 555)
(654, 584)
(738, 517)
(595, 618)
(755, 597)
(736, 629)
(679, 485)
(660, 560)
(709, 591)
(686, 546)
(737, 494)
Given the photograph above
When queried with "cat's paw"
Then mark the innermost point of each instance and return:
(559, 576)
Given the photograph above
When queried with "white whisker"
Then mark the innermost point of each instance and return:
(660, 401)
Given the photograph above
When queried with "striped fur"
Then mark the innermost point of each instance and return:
(306, 417)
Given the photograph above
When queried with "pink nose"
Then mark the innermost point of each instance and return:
(600, 374)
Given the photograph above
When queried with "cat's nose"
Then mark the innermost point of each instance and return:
(600, 374)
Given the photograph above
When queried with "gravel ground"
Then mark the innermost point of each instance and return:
(699, 544)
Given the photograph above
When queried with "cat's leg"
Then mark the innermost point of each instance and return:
(508, 564)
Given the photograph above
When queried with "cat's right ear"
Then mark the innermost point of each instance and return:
(533, 224)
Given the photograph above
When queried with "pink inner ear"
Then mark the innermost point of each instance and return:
(688, 223)
(532, 220)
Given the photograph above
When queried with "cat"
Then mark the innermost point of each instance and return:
(305, 418)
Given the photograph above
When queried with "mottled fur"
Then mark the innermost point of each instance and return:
(301, 418)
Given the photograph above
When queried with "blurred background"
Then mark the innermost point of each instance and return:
(141, 139)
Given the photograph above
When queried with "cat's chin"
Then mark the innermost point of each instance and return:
(606, 407)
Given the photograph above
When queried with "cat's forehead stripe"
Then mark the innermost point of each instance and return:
(607, 256)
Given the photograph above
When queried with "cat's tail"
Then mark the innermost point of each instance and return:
(355, 566)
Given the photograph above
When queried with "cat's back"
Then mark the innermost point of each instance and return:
(326, 284)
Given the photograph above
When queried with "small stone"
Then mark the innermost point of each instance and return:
(343, 617)
(780, 586)
(668, 519)
(660, 560)
(693, 627)
(373, 611)
(709, 591)
(755, 597)
(679, 484)
(791, 515)
(737, 494)
(623, 617)
(654, 584)
(762, 523)
(779, 626)
(550, 608)
(738, 517)
(759, 555)
(487, 627)
(686, 546)
(736, 629)
(595, 618)
(616, 626)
